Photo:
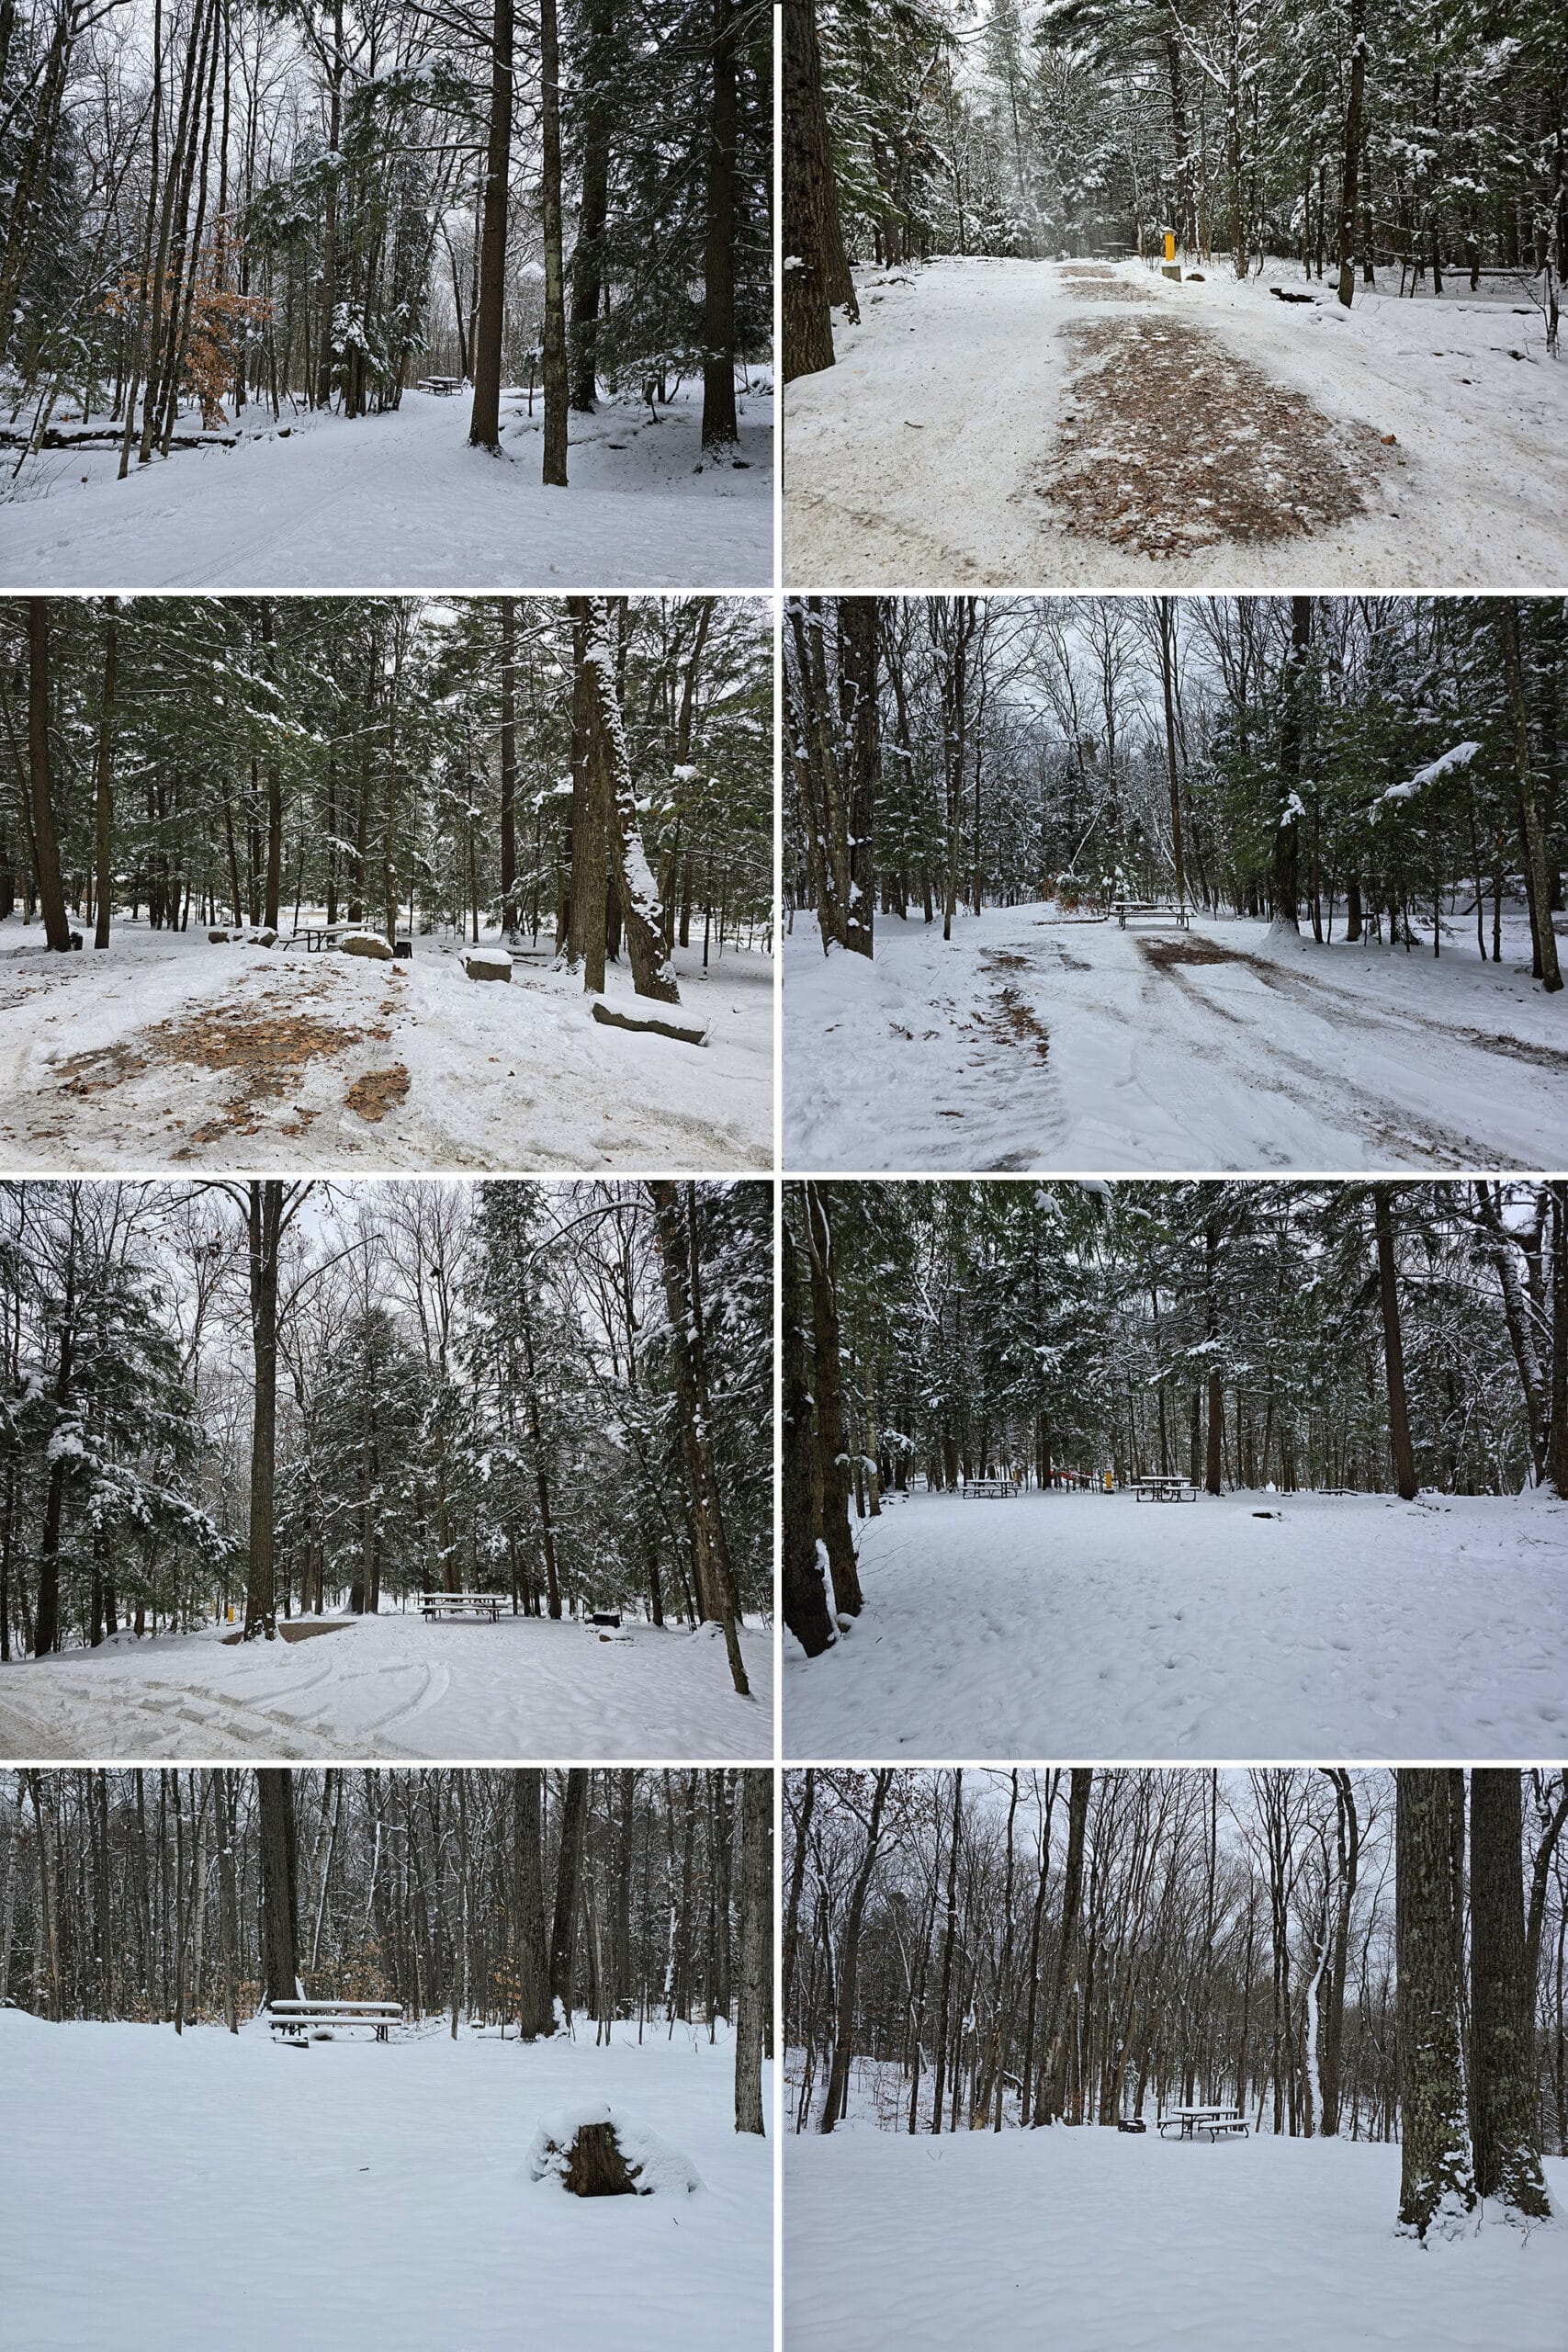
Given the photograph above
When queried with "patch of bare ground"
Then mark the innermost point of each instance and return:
(297, 1632)
(1170, 443)
(1160, 952)
(379, 1091)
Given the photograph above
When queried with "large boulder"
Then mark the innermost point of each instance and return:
(591, 2151)
(487, 963)
(218, 938)
(367, 943)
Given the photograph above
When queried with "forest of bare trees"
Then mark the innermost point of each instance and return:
(1370, 1955)
(529, 1901)
(269, 1398)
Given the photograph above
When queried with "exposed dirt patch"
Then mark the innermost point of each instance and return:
(1015, 1021)
(1170, 443)
(1111, 289)
(105, 1066)
(1185, 950)
(379, 1091)
(1004, 959)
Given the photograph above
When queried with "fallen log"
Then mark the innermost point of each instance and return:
(682, 1034)
(56, 437)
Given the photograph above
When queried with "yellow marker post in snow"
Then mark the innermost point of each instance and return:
(1170, 266)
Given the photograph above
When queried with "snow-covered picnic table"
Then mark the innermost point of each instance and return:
(1186, 2122)
(1160, 1489)
(988, 1487)
(297, 2019)
(460, 1604)
(1166, 909)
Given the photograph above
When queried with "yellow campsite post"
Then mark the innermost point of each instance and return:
(1170, 266)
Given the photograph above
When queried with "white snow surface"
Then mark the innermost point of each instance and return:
(351, 2194)
(396, 1686)
(401, 502)
(1094, 2241)
(1286, 1055)
(519, 1077)
(914, 458)
(1097, 1625)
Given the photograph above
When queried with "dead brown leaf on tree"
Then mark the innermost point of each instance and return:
(1170, 443)
(379, 1091)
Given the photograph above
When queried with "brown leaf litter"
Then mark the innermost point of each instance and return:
(1170, 443)
(379, 1091)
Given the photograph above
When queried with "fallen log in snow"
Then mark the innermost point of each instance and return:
(675, 1029)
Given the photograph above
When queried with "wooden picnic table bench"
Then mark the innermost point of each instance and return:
(442, 385)
(988, 1487)
(299, 2018)
(460, 1604)
(1164, 907)
(1160, 1490)
(1219, 2123)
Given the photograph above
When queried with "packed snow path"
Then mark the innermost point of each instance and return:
(1140, 2244)
(396, 1686)
(401, 502)
(166, 1051)
(350, 2194)
(1028, 425)
(1094, 1624)
(1039, 1040)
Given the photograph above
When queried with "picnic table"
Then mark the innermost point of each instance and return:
(297, 2018)
(442, 385)
(460, 1604)
(984, 1486)
(1219, 2123)
(1166, 909)
(317, 936)
(1161, 1490)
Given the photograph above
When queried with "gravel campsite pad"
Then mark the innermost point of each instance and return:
(1170, 443)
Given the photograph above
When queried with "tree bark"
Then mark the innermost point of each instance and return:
(104, 811)
(809, 199)
(754, 2006)
(721, 428)
(833, 2098)
(805, 1610)
(263, 1232)
(280, 1885)
(569, 1873)
(46, 847)
(555, 367)
(1437, 2174)
(1504, 2104)
(536, 2017)
(832, 1449)
(490, 331)
(1393, 1348)
(1537, 878)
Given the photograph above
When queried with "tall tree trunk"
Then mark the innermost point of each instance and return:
(1351, 153)
(1394, 1347)
(810, 201)
(949, 1943)
(46, 848)
(805, 1610)
(1505, 2102)
(1052, 2093)
(1286, 880)
(587, 260)
(754, 2007)
(568, 1875)
(263, 1233)
(858, 638)
(641, 915)
(103, 812)
(832, 1443)
(833, 2098)
(555, 371)
(720, 429)
(509, 767)
(1536, 879)
(1437, 2174)
(490, 331)
(280, 1885)
(536, 2017)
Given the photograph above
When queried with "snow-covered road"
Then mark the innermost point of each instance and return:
(1093, 2241)
(401, 502)
(166, 1051)
(1271, 1054)
(396, 1687)
(1095, 1625)
(918, 460)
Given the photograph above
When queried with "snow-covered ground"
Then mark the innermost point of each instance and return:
(396, 1686)
(1095, 1625)
(1091, 2240)
(175, 2193)
(164, 1051)
(918, 458)
(1277, 1054)
(401, 502)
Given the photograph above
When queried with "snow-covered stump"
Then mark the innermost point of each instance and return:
(593, 2152)
(367, 943)
(487, 963)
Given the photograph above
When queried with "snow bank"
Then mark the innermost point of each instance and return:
(656, 2168)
